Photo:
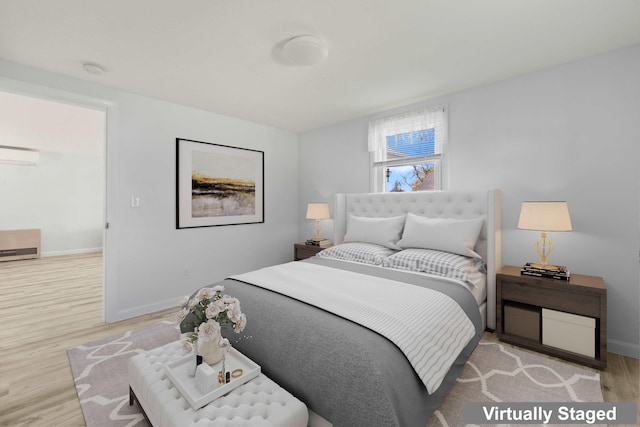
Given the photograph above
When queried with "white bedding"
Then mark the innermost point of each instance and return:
(479, 292)
(429, 327)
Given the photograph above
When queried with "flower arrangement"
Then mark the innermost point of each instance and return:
(211, 311)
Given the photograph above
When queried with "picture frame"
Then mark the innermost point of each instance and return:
(218, 185)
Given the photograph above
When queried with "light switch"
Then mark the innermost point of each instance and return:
(135, 201)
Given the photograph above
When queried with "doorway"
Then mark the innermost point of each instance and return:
(63, 194)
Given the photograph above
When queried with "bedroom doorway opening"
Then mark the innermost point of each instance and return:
(61, 191)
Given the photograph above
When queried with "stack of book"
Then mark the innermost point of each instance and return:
(550, 271)
(324, 243)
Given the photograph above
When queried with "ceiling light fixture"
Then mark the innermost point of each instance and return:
(94, 69)
(305, 50)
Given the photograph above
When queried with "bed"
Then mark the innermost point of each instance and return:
(315, 327)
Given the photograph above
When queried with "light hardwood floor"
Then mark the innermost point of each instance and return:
(46, 307)
(52, 304)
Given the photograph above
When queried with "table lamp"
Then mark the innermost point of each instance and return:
(318, 211)
(544, 217)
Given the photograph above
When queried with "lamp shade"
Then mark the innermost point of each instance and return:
(545, 216)
(318, 211)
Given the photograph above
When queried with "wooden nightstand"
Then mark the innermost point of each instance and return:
(583, 298)
(303, 251)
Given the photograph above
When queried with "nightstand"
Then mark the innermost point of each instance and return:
(304, 251)
(565, 319)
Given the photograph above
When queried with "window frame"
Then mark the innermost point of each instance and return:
(379, 129)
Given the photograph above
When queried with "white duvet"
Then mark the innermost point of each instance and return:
(429, 327)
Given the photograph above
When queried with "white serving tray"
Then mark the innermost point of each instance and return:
(186, 384)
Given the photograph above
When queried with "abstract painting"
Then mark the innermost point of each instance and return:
(218, 184)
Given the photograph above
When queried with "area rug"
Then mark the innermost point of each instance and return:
(500, 373)
(494, 373)
(100, 372)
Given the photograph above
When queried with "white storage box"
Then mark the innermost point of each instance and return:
(569, 332)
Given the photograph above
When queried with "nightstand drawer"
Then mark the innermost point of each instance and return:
(306, 252)
(563, 298)
(518, 292)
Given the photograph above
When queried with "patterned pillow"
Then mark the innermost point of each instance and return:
(367, 253)
(454, 266)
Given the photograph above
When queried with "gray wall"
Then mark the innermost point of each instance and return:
(566, 133)
(149, 264)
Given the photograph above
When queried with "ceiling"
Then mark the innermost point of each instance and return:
(223, 55)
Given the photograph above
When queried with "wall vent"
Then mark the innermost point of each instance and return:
(19, 244)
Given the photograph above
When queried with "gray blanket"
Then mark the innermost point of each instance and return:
(344, 372)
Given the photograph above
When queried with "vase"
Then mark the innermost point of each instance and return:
(211, 351)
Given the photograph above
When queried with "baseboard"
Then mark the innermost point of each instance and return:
(142, 310)
(623, 348)
(71, 252)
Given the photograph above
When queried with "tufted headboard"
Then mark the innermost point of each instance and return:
(435, 204)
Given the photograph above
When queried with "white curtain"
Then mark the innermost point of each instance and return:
(379, 130)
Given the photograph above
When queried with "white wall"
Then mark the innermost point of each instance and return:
(63, 196)
(566, 133)
(150, 264)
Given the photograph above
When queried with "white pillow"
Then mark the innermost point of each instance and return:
(458, 236)
(381, 231)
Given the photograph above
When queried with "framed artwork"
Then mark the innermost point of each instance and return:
(218, 185)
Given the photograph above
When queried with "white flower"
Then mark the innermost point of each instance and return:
(212, 311)
(241, 323)
(224, 343)
(181, 315)
(233, 311)
(209, 330)
(205, 293)
(228, 299)
(208, 311)
(183, 301)
(220, 305)
(194, 301)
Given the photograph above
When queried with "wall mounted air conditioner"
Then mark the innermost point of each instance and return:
(19, 156)
(19, 244)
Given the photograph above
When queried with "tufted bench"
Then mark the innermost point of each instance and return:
(258, 403)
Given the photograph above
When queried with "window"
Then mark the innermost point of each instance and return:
(407, 151)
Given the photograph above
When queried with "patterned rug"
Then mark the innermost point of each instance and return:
(100, 371)
(494, 373)
(499, 373)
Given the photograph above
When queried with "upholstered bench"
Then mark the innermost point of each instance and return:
(259, 402)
